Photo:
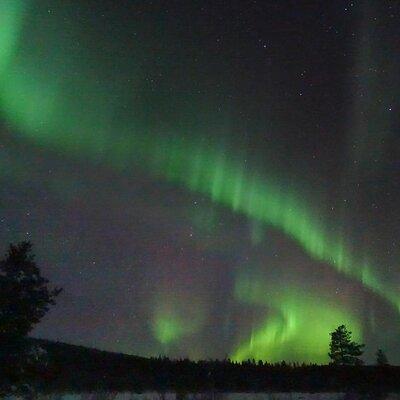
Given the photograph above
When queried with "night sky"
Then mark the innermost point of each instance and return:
(206, 178)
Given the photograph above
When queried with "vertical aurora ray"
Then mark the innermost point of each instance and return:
(69, 110)
(10, 25)
(374, 94)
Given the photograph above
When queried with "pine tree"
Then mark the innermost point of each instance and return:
(24, 300)
(24, 294)
(381, 358)
(344, 351)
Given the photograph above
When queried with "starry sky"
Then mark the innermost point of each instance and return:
(206, 178)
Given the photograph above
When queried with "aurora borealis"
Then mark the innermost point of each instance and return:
(206, 180)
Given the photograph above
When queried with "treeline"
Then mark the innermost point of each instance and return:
(28, 366)
(78, 369)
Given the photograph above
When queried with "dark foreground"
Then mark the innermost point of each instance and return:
(78, 369)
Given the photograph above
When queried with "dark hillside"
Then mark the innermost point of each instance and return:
(77, 368)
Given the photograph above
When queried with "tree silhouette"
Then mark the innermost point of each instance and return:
(344, 351)
(24, 300)
(24, 294)
(381, 358)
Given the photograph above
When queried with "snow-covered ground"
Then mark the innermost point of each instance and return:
(210, 396)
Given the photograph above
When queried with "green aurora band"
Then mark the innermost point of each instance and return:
(285, 334)
(57, 102)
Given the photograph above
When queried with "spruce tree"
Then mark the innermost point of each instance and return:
(344, 351)
(25, 297)
(24, 293)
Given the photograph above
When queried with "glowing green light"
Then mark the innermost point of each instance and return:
(168, 328)
(10, 24)
(54, 100)
(43, 106)
(296, 328)
(173, 318)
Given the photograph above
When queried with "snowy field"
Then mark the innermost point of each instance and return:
(210, 396)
